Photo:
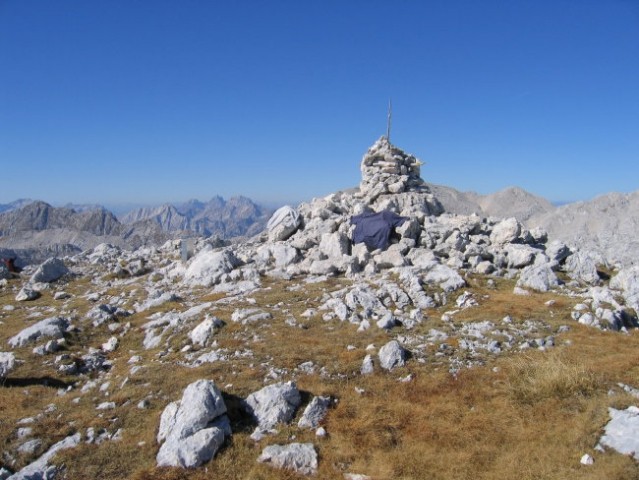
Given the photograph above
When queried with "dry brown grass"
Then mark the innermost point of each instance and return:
(526, 415)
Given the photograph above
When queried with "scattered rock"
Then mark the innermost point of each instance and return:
(314, 412)
(392, 355)
(7, 362)
(298, 457)
(27, 293)
(274, 404)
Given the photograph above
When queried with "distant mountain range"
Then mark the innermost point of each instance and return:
(239, 216)
(35, 230)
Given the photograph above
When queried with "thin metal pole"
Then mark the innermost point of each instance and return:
(388, 122)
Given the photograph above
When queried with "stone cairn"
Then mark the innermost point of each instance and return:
(391, 180)
(388, 169)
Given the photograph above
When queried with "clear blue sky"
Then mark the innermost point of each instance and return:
(150, 101)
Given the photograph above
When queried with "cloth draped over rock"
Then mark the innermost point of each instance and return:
(285, 215)
(374, 229)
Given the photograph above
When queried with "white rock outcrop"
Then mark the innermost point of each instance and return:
(193, 429)
(621, 433)
(41, 469)
(49, 327)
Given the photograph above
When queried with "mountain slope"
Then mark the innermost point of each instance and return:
(608, 224)
(239, 216)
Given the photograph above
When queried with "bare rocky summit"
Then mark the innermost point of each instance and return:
(251, 355)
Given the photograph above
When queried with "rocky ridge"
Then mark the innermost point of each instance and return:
(235, 217)
(35, 231)
(177, 314)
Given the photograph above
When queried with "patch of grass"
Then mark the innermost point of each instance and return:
(537, 377)
(529, 415)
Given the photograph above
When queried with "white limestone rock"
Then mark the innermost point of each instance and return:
(298, 457)
(202, 332)
(390, 258)
(283, 223)
(582, 266)
(7, 363)
(246, 316)
(392, 355)
(209, 267)
(279, 254)
(49, 327)
(506, 231)
(334, 245)
(49, 271)
(110, 345)
(273, 404)
(367, 365)
(40, 469)
(520, 256)
(587, 460)
(627, 280)
(27, 293)
(538, 277)
(621, 433)
(314, 412)
(194, 428)
(444, 276)
(557, 251)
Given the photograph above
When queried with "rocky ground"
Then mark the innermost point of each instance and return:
(470, 348)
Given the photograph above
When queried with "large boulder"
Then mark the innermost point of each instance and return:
(209, 267)
(538, 277)
(582, 266)
(49, 271)
(506, 231)
(444, 276)
(520, 256)
(273, 404)
(283, 223)
(194, 428)
(334, 245)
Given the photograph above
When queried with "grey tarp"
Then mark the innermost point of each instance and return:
(374, 229)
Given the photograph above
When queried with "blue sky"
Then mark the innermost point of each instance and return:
(131, 101)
